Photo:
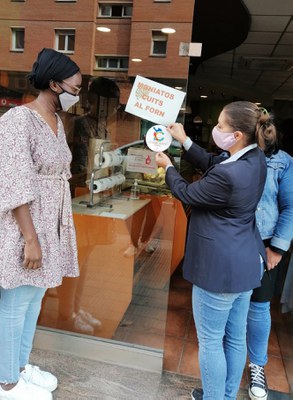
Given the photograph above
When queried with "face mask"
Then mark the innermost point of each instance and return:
(67, 100)
(224, 140)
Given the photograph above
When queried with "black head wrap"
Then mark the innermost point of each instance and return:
(51, 65)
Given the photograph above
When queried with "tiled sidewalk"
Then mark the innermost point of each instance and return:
(81, 379)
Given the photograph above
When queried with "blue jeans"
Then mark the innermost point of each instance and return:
(258, 332)
(19, 311)
(220, 320)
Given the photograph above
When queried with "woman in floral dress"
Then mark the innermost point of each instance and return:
(37, 235)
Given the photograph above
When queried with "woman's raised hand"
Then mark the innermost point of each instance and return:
(162, 160)
(177, 131)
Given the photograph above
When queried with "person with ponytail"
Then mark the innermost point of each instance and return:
(224, 256)
(274, 217)
(37, 235)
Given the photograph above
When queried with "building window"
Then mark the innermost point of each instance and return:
(112, 63)
(66, 1)
(115, 10)
(162, 1)
(65, 40)
(17, 1)
(17, 39)
(159, 43)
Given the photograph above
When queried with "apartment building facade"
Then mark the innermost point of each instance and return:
(134, 44)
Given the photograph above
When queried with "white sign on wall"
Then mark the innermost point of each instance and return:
(154, 102)
(140, 160)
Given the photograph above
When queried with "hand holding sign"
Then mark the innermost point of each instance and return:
(177, 131)
(163, 160)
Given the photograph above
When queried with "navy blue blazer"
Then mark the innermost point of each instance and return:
(223, 242)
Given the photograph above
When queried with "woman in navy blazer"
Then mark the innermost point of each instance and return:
(223, 244)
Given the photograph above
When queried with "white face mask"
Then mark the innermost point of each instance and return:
(224, 140)
(67, 100)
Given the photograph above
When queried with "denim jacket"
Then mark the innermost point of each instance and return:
(274, 214)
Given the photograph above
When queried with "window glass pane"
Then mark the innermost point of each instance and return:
(19, 39)
(105, 11)
(117, 11)
(113, 63)
(71, 42)
(61, 42)
(101, 62)
(159, 47)
(124, 63)
(127, 12)
(126, 257)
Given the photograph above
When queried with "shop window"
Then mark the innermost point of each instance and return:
(115, 10)
(65, 40)
(17, 43)
(159, 43)
(112, 63)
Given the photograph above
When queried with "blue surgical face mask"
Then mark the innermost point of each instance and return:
(67, 100)
(224, 140)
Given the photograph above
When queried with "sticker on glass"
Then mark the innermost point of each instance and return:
(158, 138)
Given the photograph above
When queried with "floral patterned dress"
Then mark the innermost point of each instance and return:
(34, 170)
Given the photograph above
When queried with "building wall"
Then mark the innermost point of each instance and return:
(149, 16)
(128, 35)
(170, 66)
(39, 24)
(174, 11)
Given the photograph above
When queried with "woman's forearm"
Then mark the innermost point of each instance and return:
(23, 218)
(32, 254)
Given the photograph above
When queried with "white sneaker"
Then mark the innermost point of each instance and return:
(43, 379)
(25, 391)
(81, 326)
(258, 388)
(131, 251)
(87, 317)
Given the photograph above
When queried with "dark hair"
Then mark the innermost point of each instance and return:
(246, 117)
(267, 137)
(51, 65)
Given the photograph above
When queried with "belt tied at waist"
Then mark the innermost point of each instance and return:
(65, 196)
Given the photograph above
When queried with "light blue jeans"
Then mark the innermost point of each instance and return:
(258, 332)
(19, 311)
(220, 320)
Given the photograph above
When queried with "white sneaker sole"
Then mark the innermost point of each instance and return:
(253, 397)
(51, 388)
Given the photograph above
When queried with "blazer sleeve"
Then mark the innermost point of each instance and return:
(202, 159)
(213, 191)
(17, 172)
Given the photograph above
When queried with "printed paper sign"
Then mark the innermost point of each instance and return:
(154, 102)
(140, 160)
